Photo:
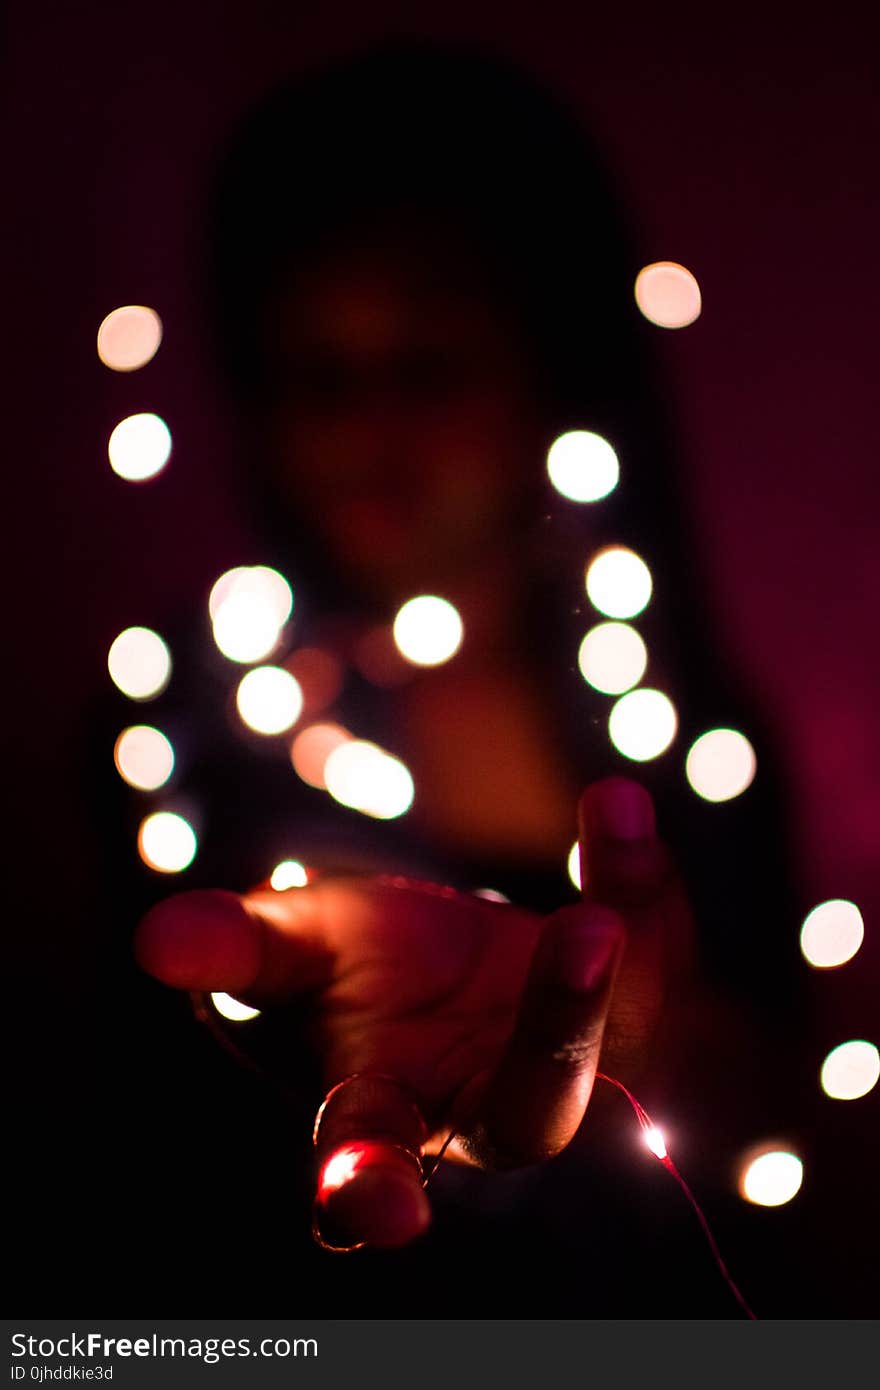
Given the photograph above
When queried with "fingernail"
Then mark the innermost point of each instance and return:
(623, 810)
(383, 1204)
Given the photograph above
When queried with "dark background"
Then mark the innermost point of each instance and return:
(746, 146)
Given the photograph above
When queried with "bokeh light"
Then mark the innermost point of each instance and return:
(574, 865)
(233, 1008)
(428, 630)
(619, 582)
(139, 663)
(655, 1141)
(269, 700)
(249, 607)
(312, 747)
(720, 765)
(491, 895)
(612, 658)
(290, 873)
(583, 466)
(139, 447)
(850, 1070)
(166, 842)
(771, 1177)
(642, 724)
(668, 294)
(144, 757)
(361, 775)
(832, 933)
(129, 337)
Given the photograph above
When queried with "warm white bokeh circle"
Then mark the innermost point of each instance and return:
(312, 747)
(642, 724)
(832, 933)
(139, 447)
(573, 865)
(248, 607)
(167, 842)
(721, 764)
(583, 466)
(144, 757)
(361, 775)
(139, 663)
(269, 700)
(771, 1178)
(233, 1009)
(850, 1070)
(428, 630)
(619, 582)
(612, 658)
(668, 294)
(290, 873)
(129, 337)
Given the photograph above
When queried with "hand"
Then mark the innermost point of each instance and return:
(464, 1013)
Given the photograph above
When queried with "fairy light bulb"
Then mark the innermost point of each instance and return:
(771, 1178)
(668, 294)
(428, 630)
(642, 724)
(233, 1009)
(139, 663)
(290, 873)
(582, 466)
(144, 757)
(129, 337)
(139, 447)
(573, 864)
(655, 1141)
(832, 933)
(850, 1070)
(612, 658)
(363, 776)
(619, 582)
(269, 700)
(167, 842)
(720, 765)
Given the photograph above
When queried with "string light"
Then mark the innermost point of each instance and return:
(668, 294)
(249, 607)
(832, 933)
(144, 757)
(166, 842)
(361, 775)
(850, 1070)
(290, 873)
(129, 337)
(612, 658)
(269, 700)
(770, 1177)
(642, 724)
(139, 447)
(619, 582)
(233, 1009)
(312, 747)
(139, 663)
(428, 630)
(720, 765)
(583, 466)
(573, 865)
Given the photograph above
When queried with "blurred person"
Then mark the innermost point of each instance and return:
(419, 279)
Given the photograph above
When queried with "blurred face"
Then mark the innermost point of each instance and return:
(406, 419)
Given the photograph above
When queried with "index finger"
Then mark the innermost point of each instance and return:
(265, 945)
